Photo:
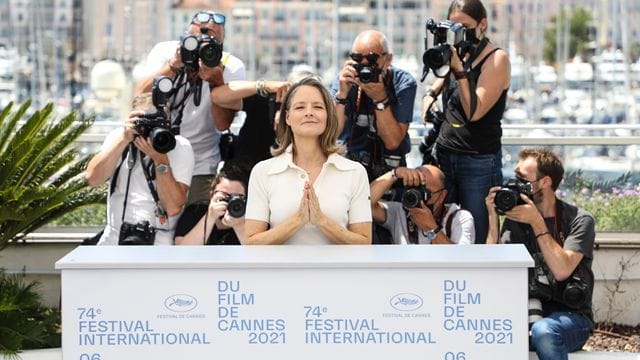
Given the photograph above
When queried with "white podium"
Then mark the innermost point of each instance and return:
(295, 302)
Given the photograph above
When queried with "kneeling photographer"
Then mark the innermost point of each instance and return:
(221, 221)
(149, 169)
(560, 238)
(421, 217)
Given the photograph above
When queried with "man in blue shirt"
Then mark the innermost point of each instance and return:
(374, 102)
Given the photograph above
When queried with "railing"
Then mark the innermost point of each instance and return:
(100, 129)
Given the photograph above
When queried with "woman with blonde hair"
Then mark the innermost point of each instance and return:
(308, 193)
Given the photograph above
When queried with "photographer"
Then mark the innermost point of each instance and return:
(560, 237)
(148, 188)
(474, 92)
(422, 217)
(374, 100)
(221, 222)
(199, 104)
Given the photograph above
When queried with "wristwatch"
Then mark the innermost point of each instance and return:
(431, 234)
(163, 168)
(382, 105)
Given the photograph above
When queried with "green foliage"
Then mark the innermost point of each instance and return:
(40, 170)
(91, 215)
(579, 21)
(24, 322)
(613, 208)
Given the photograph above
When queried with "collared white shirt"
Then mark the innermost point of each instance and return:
(276, 186)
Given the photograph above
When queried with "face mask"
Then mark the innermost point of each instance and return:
(470, 36)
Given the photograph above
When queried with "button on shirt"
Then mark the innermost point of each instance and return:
(277, 184)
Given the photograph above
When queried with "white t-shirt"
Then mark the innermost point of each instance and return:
(197, 122)
(140, 203)
(276, 186)
(462, 229)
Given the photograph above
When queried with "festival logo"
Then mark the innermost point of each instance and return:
(406, 302)
(180, 303)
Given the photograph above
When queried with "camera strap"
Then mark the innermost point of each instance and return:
(412, 229)
(131, 149)
(160, 212)
(182, 82)
(376, 146)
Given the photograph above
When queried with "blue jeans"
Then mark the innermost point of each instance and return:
(468, 179)
(558, 334)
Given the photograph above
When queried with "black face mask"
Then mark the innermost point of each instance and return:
(470, 36)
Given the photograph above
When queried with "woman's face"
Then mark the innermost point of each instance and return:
(307, 114)
(227, 187)
(469, 22)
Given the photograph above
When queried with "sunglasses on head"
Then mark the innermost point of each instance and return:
(371, 57)
(205, 17)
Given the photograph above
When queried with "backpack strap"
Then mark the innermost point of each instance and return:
(450, 221)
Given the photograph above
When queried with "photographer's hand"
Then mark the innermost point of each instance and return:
(423, 217)
(528, 213)
(493, 236)
(217, 207)
(410, 177)
(212, 75)
(146, 147)
(455, 62)
(375, 90)
(130, 131)
(347, 78)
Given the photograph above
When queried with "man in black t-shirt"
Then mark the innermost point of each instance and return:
(221, 221)
(560, 238)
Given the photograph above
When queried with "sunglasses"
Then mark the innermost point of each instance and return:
(371, 57)
(205, 17)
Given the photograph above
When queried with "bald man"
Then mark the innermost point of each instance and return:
(374, 100)
(422, 217)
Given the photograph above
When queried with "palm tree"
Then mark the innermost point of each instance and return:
(40, 170)
(24, 322)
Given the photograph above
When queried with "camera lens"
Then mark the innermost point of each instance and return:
(411, 198)
(210, 54)
(535, 311)
(505, 200)
(437, 56)
(366, 74)
(162, 140)
(236, 206)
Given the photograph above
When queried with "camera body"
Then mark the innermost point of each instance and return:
(155, 125)
(574, 293)
(367, 73)
(414, 195)
(141, 233)
(236, 205)
(446, 33)
(204, 47)
(509, 195)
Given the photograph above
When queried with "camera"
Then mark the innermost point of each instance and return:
(155, 125)
(574, 293)
(368, 73)
(137, 234)
(446, 33)
(509, 195)
(540, 283)
(413, 196)
(204, 47)
(236, 205)
(429, 140)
